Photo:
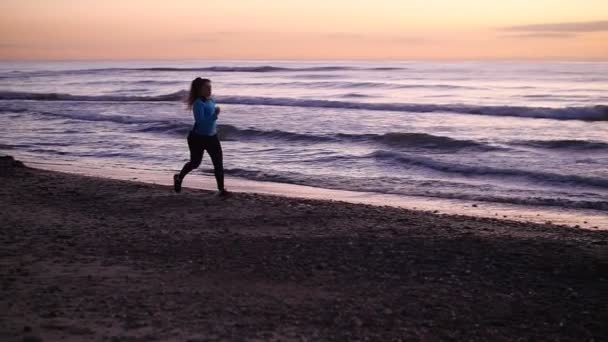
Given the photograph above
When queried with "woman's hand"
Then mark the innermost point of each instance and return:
(217, 111)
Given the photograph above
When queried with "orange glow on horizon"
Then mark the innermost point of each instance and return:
(313, 29)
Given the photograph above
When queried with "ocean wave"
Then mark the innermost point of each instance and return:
(588, 113)
(172, 97)
(123, 82)
(393, 139)
(396, 158)
(315, 76)
(172, 128)
(355, 95)
(219, 68)
(351, 85)
(417, 188)
(386, 68)
(122, 119)
(261, 68)
(420, 140)
(230, 132)
(566, 144)
(288, 177)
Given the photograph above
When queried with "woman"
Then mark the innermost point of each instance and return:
(203, 136)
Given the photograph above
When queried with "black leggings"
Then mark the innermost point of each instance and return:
(198, 144)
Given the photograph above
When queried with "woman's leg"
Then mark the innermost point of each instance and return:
(214, 148)
(197, 148)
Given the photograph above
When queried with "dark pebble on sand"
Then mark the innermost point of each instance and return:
(31, 338)
(357, 322)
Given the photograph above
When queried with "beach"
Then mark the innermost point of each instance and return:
(524, 135)
(86, 258)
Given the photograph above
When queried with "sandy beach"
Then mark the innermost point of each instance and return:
(87, 259)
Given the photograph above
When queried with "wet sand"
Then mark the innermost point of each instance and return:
(579, 218)
(87, 258)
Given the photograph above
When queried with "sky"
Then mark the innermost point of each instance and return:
(307, 29)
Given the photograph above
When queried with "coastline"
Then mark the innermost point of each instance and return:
(578, 218)
(88, 258)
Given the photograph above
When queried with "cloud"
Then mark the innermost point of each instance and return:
(542, 35)
(571, 27)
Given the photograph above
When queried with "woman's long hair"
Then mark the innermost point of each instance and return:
(195, 90)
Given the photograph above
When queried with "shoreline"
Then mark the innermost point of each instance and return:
(578, 218)
(87, 258)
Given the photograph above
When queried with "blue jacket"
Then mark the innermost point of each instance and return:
(204, 117)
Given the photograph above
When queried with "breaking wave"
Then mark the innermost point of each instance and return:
(588, 113)
(479, 170)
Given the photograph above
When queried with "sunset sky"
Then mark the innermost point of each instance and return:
(311, 29)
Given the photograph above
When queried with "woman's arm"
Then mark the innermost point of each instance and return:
(199, 111)
(202, 115)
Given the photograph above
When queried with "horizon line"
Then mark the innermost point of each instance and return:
(497, 59)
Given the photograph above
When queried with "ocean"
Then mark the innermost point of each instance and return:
(520, 133)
